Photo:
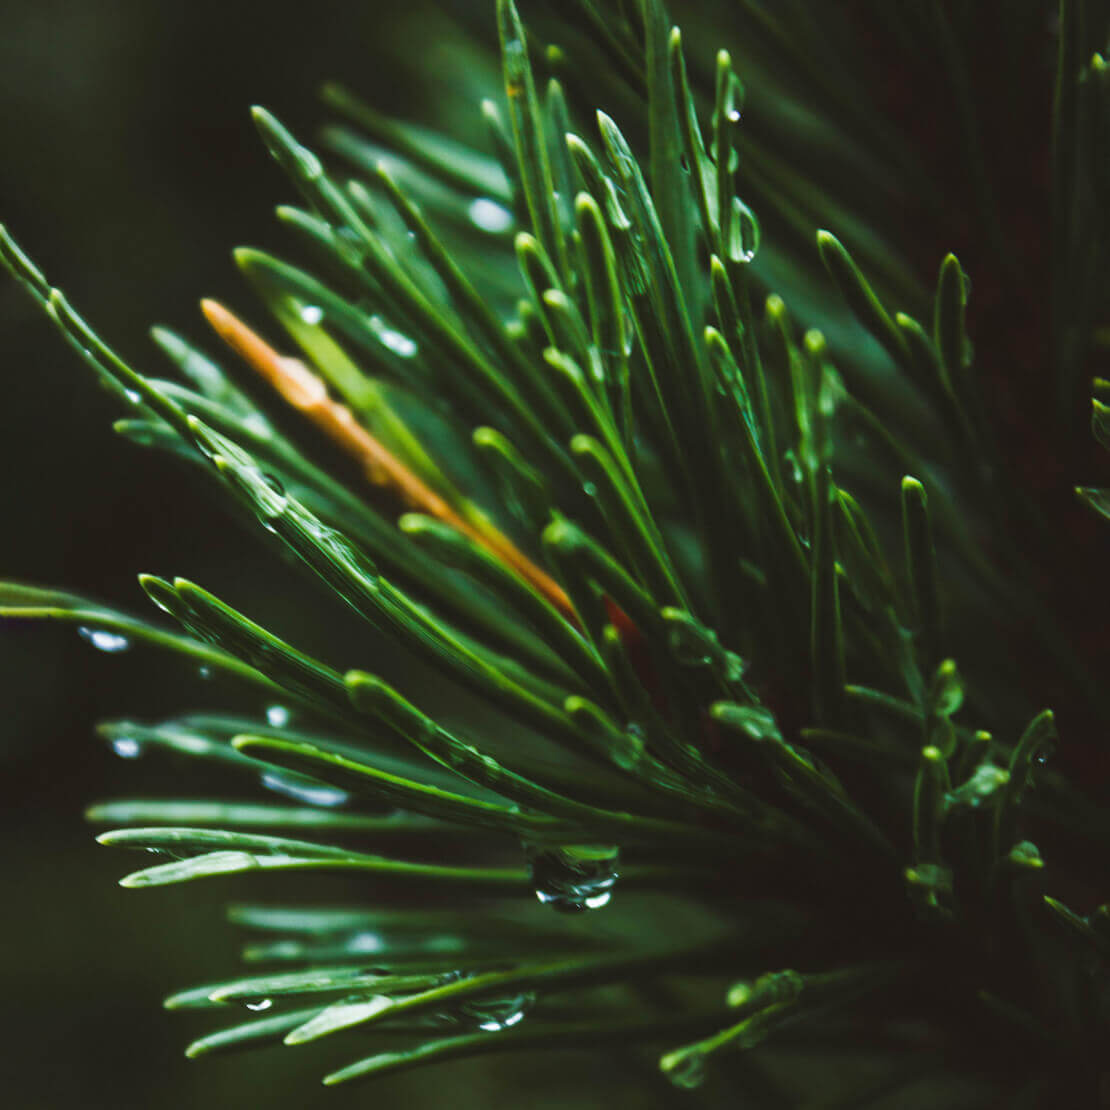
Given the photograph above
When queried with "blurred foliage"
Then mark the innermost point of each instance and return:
(727, 527)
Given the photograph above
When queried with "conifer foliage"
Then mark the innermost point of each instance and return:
(688, 486)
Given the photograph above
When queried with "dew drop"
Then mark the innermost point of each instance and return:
(589, 489)
(127, 747)
(306, 790)
(493, 1015)
(204, 671)
(258, 1004)
(103, 640)
(364, 943)
(490, 216)
(312, 314)
(277, 716)
(133, 395)
(1043, 754)
(399, 343)
(734, 115)
(575, 877)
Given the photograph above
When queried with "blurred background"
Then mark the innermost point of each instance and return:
(130, 169)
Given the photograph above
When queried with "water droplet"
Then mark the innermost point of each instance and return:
(365, 943)
(490, 1014)
(204, 671)
(589, 489)
(490, 216)
(493, 1015)
(258, 1004)
(399, 343)
(133, 395)
(312, 314)
(573, 878)
(277, 715)
(305, 790)
(1043, 754)
(103, 640)
(127, 747)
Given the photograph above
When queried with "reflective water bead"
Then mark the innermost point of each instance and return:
(1044, 753)
(305, 790)
(573, 878)
(397, 342)
(103, 640)
(493, 1015)
(489, 215)
(127, 747)
(258, 1004)
(312, 314)
(277, 715)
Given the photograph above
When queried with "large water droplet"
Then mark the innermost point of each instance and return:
(103, 640)
(493, 1015)
(490, 216)
(133, 395)
(490, 1014)
(312, 314)
(305, 790)
(277, 715)
(257, 1005)
(127, 747)
(572, 878)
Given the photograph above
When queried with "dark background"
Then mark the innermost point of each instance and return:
(129, 169)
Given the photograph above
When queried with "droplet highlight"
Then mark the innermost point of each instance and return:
(573, 878)
(305, 790)
(277, 715)
(110, 642)
(490, 216)
(396, 341)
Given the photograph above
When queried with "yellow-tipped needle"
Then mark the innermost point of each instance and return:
(306, 392)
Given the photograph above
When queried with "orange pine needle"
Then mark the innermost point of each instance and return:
(307, 393)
